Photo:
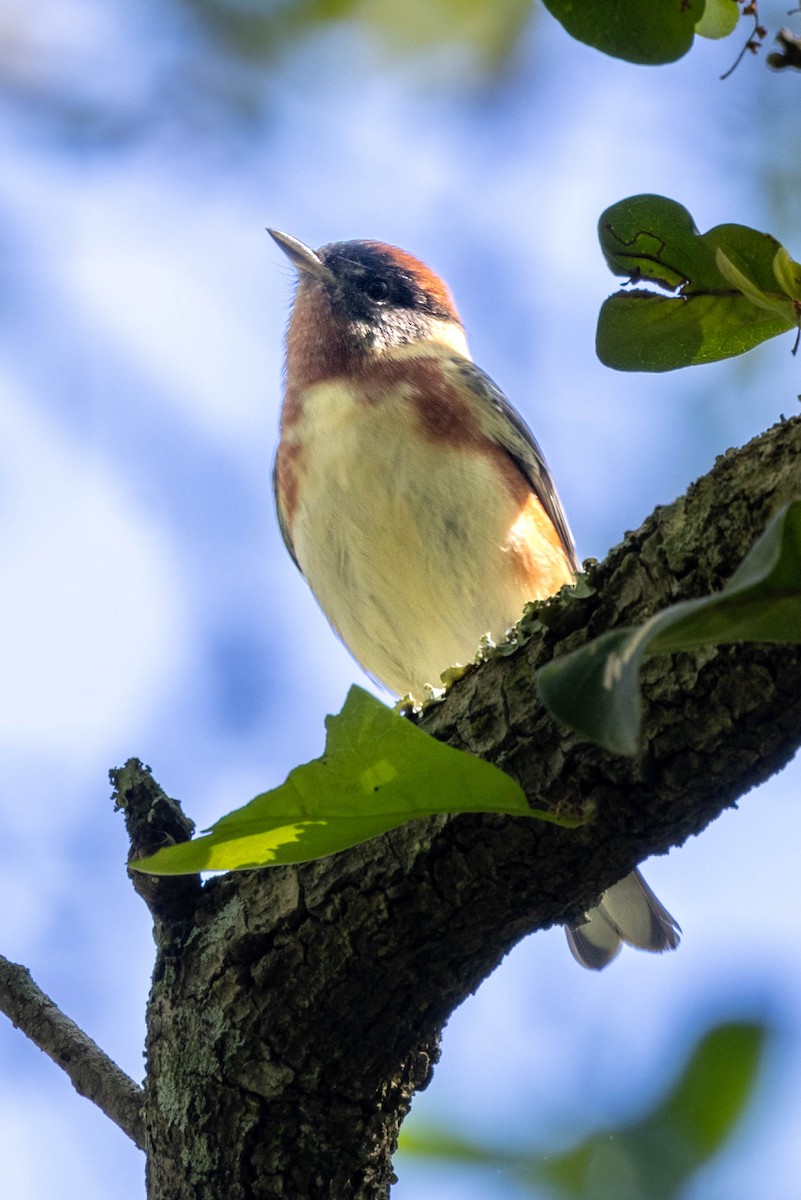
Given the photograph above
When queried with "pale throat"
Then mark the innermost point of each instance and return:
(437, 338)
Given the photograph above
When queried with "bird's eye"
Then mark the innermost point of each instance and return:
(377, 289)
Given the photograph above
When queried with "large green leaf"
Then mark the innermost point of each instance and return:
(378, 771)
(732, 288)
(654, 1156)
(596, 690)
(641, 31)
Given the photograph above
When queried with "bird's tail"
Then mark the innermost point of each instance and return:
(628, 912)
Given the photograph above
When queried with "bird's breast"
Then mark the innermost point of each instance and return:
(416, 533)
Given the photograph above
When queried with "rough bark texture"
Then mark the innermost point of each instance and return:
(295, 1011)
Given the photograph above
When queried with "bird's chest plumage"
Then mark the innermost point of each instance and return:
(403, 521)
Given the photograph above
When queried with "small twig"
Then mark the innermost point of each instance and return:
(755, 38)
(92, 1073)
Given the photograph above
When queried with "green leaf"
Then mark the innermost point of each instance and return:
(657, 1155)
(596, 690)
(640, 31)
(654, 1156)
(712, 1093)
(733, 288)
(378, 771)
(719, 19)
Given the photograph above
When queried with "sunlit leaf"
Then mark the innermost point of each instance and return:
(378, 771)
(719, 19)
(732, 288)
(596, 690)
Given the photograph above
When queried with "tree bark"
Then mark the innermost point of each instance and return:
(295, 1011)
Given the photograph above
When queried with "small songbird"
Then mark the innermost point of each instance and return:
(415, 500)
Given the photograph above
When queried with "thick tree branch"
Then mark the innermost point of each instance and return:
(91, 1072)
(298, 1012)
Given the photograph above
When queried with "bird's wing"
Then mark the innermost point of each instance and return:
(282, 521)
(504, 425)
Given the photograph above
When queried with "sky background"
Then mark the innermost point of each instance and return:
(148, 605)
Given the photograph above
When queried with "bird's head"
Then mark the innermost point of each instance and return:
(359, 300)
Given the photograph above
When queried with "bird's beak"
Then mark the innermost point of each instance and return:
(305, 260)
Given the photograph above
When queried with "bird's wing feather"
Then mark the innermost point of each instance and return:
(504, 425)
(283, 525)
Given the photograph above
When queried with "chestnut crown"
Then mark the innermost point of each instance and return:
(371, 277)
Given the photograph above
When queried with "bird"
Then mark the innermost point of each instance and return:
(415, 500)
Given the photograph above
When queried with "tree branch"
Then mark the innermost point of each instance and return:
(153, 819)
(299, 1012)
(92, 1073)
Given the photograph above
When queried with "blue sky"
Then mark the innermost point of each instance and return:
(149, 606)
